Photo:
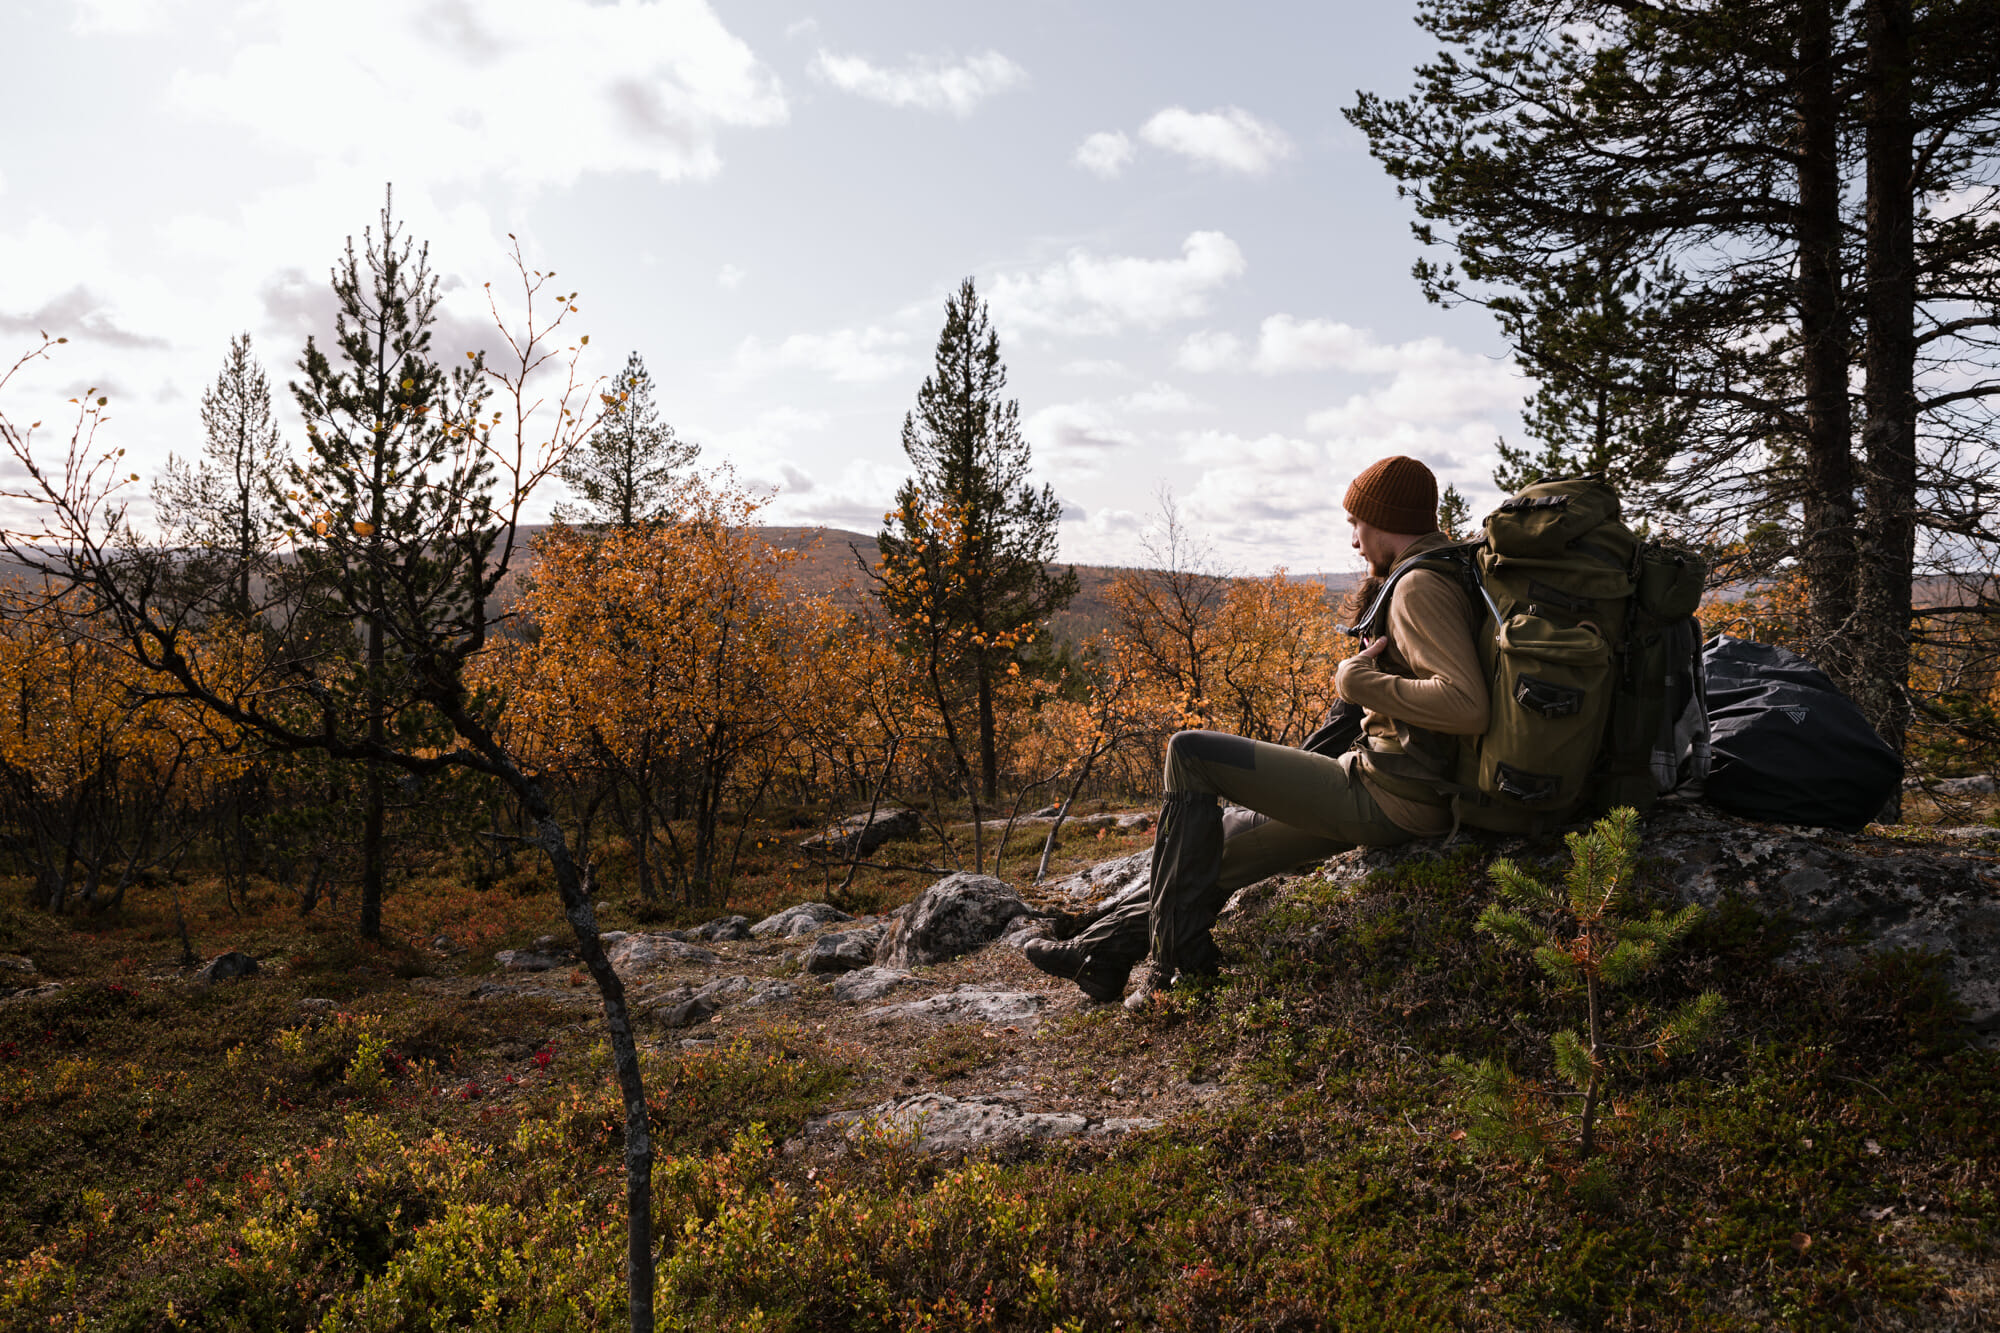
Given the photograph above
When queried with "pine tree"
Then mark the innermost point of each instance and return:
(625, 473)
(1701, 226)
(965, 556)
(392, 504)
(222, 507)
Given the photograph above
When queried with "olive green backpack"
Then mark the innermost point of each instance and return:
(1592, 658)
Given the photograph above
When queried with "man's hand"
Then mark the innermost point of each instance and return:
(1376, 647)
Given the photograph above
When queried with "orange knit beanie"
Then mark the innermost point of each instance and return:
(1397, 495)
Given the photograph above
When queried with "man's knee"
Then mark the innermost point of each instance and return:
(1211, 747)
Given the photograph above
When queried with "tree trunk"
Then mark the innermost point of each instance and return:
(989, 746)
(1889, 430)
(1827, 542)
(375, 784)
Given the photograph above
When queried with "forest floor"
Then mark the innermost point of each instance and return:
(406, 1135)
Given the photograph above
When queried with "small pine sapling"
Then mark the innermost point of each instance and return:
(1579, 935)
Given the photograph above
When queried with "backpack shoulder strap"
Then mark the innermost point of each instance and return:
(1455, 560)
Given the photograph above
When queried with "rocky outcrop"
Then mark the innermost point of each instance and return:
(951, 918)
(967, 1004)
(844, 950)
(801, 920)
(1108, 883)
(227, 967)
(1847, 892)
(745, 990)
(862, 834)
(936, 1123)
(631, 953)
(870, 983)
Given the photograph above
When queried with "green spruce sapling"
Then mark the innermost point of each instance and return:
(1579, 934)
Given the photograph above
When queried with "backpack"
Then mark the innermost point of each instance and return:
(1592, 658)
(1790, 748)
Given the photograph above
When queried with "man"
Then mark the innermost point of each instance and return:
(1419, 684)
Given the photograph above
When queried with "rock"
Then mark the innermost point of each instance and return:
(16, 965)
(1137, 822)
(801, 920)
(844, 950)
(528, 960)
(870, 983)
(951, 918)
(681, 1008)
(227, 967)
(723, 928)
(629, 953)
(554, 944)
(1047, 812)
(316, 1006)
(858, 835)
(40, 992)
(1980, 784)
(745, 990)
(1108, 883)
(1842, 889)
(967, 1004)
(937, 1123)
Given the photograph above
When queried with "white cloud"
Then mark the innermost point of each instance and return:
(1433, 381)
(1105, 153)
(1229, 138)
(729, 277)
(1085, 294)
(1264, 494)
(1099, 366)
(1206, 351)
(927, 85)
(1076, 437)
(805, 27)
(1159, 398)
(533, 91)
(847, 356)
(122, 18)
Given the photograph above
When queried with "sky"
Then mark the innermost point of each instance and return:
(1199, 276)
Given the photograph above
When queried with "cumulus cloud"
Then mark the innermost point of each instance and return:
(1229, 138)
(532, 91)
(1076, 438)
(847, 356)
(1086, 294)
(77, 313)
(729, 277)
(926, 85)
(1105, 153)
(1433, 381)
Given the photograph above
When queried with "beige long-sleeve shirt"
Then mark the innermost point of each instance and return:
(1427, 677)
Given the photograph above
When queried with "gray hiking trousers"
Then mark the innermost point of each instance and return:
(1298, 807)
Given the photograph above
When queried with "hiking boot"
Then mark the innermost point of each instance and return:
(1153, 979)
(1096, 974)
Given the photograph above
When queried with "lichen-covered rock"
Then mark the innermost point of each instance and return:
(967, 1004)
(14, 966)
(527, 960)
(1843, 889)
(859, 835)
(745, 990)
(937, 1123)
(844, 950)
(227, 967)
(951, 918)
(681, 1008)
(870, 983)
(803, 919)
(630, 953)
(721, 929)
(1108, 883)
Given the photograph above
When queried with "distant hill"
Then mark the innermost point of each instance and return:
(830, 566)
